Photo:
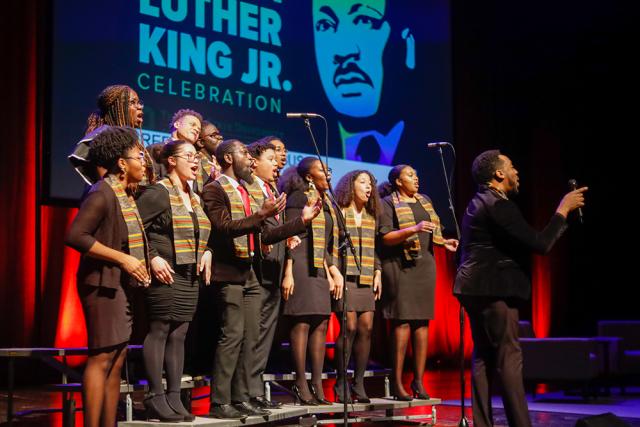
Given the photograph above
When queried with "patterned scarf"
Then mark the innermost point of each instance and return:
(255, 192)
(406, 219)
(135, 229)
(318, 230)
(206, 167)
(366, 246)
(240, 243)
(183, 231)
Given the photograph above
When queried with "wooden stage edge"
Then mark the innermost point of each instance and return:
(311, 415)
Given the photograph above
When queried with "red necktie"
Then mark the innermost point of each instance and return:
(247, 212)
(270, 193)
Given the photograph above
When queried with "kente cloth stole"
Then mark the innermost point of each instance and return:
(364, 246)
(184, 239)
(406, 219)
(317, 228)
(138, 246)
(255, 192)
(205, 167)
(240, 243)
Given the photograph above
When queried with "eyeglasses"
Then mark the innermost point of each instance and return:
(136, 102)
(215, 135)
(191, 157)
(244, 152)
(141, 157)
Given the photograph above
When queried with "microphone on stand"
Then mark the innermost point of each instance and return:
(573, 185)
(438, 144)
(302, 115)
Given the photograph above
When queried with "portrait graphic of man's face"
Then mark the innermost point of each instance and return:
(350, 37)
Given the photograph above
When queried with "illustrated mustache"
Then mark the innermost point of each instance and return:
(350, 67)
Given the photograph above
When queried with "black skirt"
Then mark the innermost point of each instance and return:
(108, 316)
(176, 302)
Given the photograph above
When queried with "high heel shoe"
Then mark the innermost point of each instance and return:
(418, 391)
(173, 399)
(360, 395)
(158, 409)
(403, 397)
(337, 391)
(299, 399)
(321, 401)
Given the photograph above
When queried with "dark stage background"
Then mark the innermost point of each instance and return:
(551, 84)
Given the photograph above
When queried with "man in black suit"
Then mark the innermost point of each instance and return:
(238, 230)
(493, 279)
(273, 266)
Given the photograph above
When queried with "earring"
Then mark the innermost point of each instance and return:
(122, 174)
(410, 56)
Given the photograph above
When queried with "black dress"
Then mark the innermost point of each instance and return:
(408, 287)
(176, 302)
(360, 298)
(311, 292)
(103, 288)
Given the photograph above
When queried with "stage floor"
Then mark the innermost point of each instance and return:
(552, 409)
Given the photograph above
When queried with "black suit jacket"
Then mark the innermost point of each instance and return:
(226, 266)
(496, 247)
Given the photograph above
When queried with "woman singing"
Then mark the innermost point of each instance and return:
(408, 227)
(118, 105)
(356, 194)
(108, 231)
(178, 231)
(315, 276)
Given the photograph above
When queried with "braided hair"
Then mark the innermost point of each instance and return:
(113, 110)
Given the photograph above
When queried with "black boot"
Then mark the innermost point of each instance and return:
(158, 409)
(175, 403)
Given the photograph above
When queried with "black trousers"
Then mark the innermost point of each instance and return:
(240, 328)
(269, 311)
(497, 355)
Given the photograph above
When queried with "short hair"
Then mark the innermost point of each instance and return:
(184, 112)
(258, 147)
(110, 145)
(270, 139)
(345, 191)
(485, 165)
(224, 148)
(171, 148)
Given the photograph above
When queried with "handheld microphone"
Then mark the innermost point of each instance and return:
(573, 185)
(302, 115)
(437, 144)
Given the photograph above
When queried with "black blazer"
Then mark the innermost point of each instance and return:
(496, 247)
(226, 266)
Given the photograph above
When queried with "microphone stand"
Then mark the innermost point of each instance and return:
(346, 243)
(463, 420)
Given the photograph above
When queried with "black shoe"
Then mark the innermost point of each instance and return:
(173, 399)
(158, 409)
(299, 399)
(359, 395)
(418, 391)
(321, 401)
(262, 402)
(226, 411)
(251, 410)
(403, 397)
(337, 390)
